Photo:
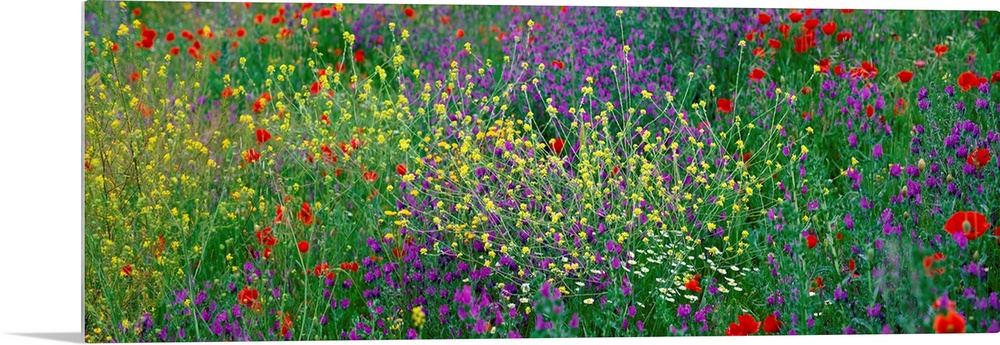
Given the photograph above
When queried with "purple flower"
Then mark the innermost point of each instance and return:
(877, 151)
(960, 239)
(875, 310)
(839, 294)
(683, 310)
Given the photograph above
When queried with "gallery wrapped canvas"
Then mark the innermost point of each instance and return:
(300, 171)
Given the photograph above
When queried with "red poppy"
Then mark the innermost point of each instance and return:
(811, 241)
(359, 56)
(950, 323)
(248, 297)
(267, 252)
(844, 36)
(804, 42)
(694, 284)
(806, 90)
(349, 266)
(973, 224)
(811, 24)
(401, 169)
(557, 145)
(795, 16)
(724, 105)
(370, 176)
(829, 28)
(978, 158)
(929, 263)
(314, 89)
(305, 214)
(764, 18)
(303, 246)
(251, 155)
(867, 70)
(135, 76)
(397, 252)
(784, 29)
(746, 157)
(409, 12)
(870, 111)
(136, 12)
(745, 325)
(170, 37)
(968, 80)
(279, 213)
(276, 19)
(560, 65)
(460, 33)
(262, 136)
(241, 32)
(758, 52)
(266, 237)
(824, 65)
(127, 270)
(996, 77)
(757, 74)
(772, 324)
(775, 44)
(321, 269)
(940, 49)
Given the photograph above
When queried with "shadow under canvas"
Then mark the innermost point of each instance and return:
(69, 337)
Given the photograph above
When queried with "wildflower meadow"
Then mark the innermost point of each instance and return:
(298, 171)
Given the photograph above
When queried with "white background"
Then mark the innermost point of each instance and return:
(41, 153)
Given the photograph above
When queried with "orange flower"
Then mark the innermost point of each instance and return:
(370, 176)
(818, 284)
(950, 323)
(305, 214)
(973, 224)
(940, 49)
(266, 238)
(460, 33)
(251, 155)
(929, 263)
(279, 213)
